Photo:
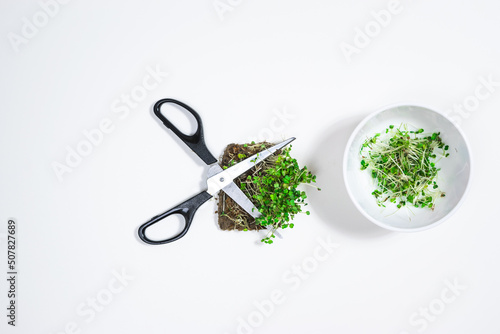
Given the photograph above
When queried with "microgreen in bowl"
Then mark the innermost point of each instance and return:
(403, 163)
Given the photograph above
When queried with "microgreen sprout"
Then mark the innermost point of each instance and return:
(272, 186)
(403, 164)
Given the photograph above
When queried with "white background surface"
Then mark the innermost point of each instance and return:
(263, 55)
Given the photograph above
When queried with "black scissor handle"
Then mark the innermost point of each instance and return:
(186, 210)
(195, 142)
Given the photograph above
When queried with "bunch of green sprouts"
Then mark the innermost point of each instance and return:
(272, 187)
(403, 163)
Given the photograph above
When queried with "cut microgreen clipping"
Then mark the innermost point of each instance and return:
(272, 186)
(403, 163)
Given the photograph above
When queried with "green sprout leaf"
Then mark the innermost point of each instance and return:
(272, 186)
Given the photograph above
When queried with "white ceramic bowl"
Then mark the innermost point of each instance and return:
(453, 178)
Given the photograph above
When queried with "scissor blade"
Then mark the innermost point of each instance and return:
(250, 162)
(218, 178)
(242, 200)
(239, 197)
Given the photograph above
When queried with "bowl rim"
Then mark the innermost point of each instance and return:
(351, 195)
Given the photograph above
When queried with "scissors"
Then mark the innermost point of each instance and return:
(217, 178)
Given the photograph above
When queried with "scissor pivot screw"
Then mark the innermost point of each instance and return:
(221, 179)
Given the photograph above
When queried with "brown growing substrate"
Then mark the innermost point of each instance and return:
(231, 215)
